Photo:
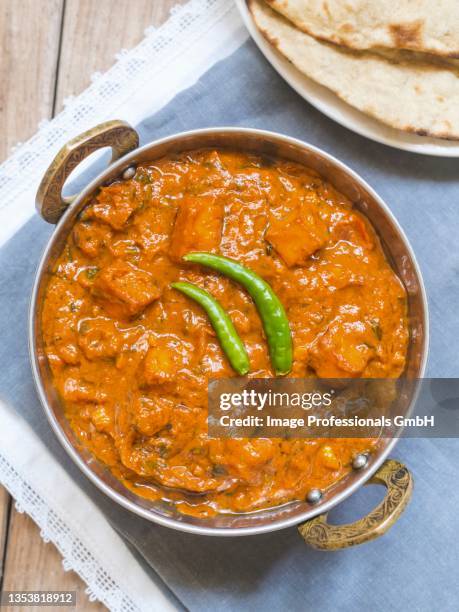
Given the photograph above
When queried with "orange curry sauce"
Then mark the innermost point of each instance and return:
(131, 357)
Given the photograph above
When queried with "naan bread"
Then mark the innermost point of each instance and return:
(413, 96)
(429, 26)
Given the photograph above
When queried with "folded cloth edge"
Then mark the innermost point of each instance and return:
(169, 59)
(220, 32)
(86, 541)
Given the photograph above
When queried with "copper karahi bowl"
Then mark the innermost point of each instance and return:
(310, 517)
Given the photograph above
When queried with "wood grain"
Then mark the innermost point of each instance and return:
(29, 43)
(94, 32)
(50, 48)
(32, 565)
(4, 518)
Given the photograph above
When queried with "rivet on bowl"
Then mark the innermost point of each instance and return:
(359, 461)
(129, 173)
(314, 496)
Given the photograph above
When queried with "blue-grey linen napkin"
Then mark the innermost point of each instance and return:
(414, 567)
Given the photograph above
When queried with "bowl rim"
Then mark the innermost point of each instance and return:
(151, 515)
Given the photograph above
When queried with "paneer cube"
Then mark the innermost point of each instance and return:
(151, 415)
(98, 338)
(89, 236)
(198, 226)
(160, 365)
(152, 229)
(327, 457)
(127, 286)
(76, 390)
(114, 205)
(343, 350)
(298, 234)
(353, 229)
(166, 358)
(103, 418)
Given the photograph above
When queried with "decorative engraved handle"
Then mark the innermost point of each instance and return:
(399, 483)
(118, 135)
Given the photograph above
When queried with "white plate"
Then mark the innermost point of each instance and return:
(329, 104)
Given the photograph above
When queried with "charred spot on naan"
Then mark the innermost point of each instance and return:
(407, 34)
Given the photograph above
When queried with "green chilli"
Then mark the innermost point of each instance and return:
(270, 309)
(230, 341)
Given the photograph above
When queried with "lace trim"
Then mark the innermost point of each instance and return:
(108, 91)
(23, 169)
(76, 556)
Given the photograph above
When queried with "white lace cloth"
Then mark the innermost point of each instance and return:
(142, 80)
(69, 519)
(168, 60)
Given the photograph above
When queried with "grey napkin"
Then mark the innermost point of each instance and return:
(414, 567)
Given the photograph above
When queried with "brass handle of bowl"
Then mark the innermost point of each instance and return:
(118, 135)
(399, 483)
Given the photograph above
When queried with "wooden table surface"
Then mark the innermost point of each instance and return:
(49, 49)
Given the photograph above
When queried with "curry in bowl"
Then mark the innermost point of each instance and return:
(131, 354)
